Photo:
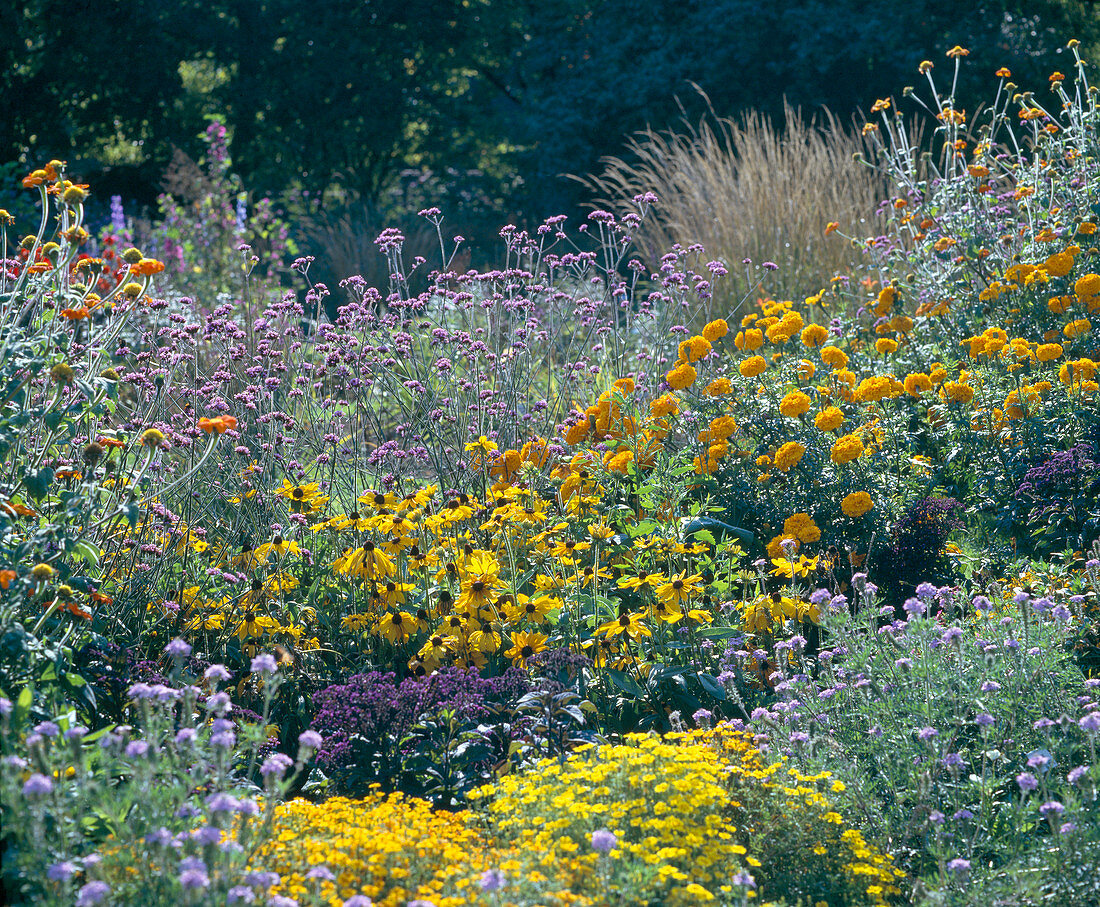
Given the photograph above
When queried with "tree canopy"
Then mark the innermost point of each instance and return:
(353, 93)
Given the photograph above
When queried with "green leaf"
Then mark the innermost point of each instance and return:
(38, 483)
(23, 705)
(625, 682)
(712, 686)
(87, 552)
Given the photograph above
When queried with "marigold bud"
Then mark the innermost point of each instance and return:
(42, 572)
(62, 373)
(152, 438)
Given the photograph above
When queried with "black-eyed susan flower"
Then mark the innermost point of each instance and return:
(627, 624)
(524, 645)
(396, 626)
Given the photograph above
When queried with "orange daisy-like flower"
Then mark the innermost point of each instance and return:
(218, 425)
(147, 267)
(35, 178)
(958, 51)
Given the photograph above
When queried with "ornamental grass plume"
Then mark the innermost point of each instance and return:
(751, 189)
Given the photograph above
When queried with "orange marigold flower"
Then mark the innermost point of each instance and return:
(958, 51)
(1003, 73)
(831, 227)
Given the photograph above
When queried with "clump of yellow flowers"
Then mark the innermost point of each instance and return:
(686, 818)
(390, 848)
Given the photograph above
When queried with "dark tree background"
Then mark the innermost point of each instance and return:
(497, 98)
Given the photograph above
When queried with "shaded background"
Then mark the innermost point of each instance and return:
(371, 109)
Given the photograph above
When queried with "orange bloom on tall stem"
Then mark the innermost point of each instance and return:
(217, 425)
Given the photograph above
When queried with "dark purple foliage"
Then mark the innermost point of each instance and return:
(374, 707)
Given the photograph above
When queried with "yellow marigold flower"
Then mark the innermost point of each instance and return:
(846, 448)
(886, 346)
(802, 527)
(1077, 370)
(576, 432)
(917, 383)
(619, 461)
(665, 405)
(958, 51)
(877, 388)
(1087, 285)
(723, 427)
(794, 404)
(1077, 328)
(694, 349)
(683, 376)
(813, 335)
(789, 456)
(1059, 264)
(856, 504)
(749, 340)
(958, 392)
(1048, 352)
(829, 419)
(718, 387)
(834, 357)
(753, 366)
(716, 330)
(784, 329)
